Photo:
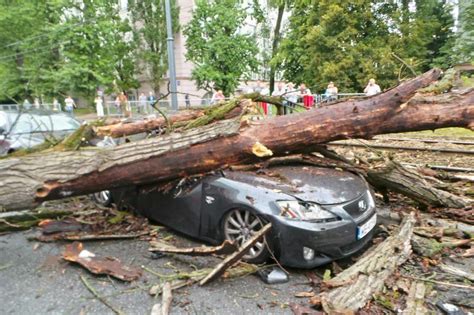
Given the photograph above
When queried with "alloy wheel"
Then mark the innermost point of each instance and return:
(241, 225)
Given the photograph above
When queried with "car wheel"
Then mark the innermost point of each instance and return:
(240, 225)
(103, 197)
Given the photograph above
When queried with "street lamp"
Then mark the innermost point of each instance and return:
(171, 63)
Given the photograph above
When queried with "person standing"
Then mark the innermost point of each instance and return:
(56, 105)
(187, 101)
(372, 88)
(142, 102)
(280, 91)
(99, 106)
(123, 101)
(217, 97)
(151, 98)
(69, 105)
(331, 92)
(305, 95)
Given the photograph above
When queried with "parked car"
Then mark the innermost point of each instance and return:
(22, 130)
(318, 215)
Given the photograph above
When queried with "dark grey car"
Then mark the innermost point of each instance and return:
(318, 214)
(22, 130)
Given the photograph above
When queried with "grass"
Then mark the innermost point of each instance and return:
(443, 132)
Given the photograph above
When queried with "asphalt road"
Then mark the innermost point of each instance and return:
(34, 280)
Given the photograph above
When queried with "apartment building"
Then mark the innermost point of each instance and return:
(185, 84)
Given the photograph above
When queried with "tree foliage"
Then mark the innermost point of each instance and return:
(150, 22)
(464, 45)
(349, 42)
(221, 52)
(58, 46)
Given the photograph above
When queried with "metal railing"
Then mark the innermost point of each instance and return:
(137, 108)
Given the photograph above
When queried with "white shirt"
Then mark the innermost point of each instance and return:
(372, 89)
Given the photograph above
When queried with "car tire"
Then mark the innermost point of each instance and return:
(239, 225)
(103, 198)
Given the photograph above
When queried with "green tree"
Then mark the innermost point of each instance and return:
(345, 41)
(27, 53)
(55, 47)
(464, 44)
(149, 18)
(221, 52)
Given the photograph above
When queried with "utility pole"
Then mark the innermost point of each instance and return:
(171, 63)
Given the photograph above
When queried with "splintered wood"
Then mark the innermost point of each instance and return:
(353, 287)
(76, 253)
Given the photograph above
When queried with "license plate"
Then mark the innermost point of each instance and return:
(366, 227)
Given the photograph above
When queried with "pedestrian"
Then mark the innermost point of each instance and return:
(258, 87)
(331, 92)
(151, 98)
(291, 96)
(278, 92)
(37, 103)
(305, 96)
(99, 106)
(56, 105)
(26, 104)
(69, 105)
(124, 107)
(217, 97)
(142, 102)
(372, 88)
(187, 101)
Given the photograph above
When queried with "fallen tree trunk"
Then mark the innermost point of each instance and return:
(30, 180)
(352, 288)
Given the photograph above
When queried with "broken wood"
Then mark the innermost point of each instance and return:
(456, 271)
(130, 128)
(393, 176)
(353, 287)
(226, 248)
(16, 221)
(232, 259)
(416, 299)
(76, 253)
(29, 180)
(167, 298)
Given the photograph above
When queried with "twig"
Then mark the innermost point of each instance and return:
(403, 62)
(10, 224)
(100, 298)
(6, 266)
(441, 282)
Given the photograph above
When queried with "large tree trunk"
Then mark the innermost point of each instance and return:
(29, 180)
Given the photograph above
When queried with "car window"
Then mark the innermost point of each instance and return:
(44, 123)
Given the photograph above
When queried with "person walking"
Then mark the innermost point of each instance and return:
(372, 88)
(99, 106)
(69, 105)
(278, 92)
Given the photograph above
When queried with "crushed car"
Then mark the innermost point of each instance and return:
(26, 129)
(318, 214)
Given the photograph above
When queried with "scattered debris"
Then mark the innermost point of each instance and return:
(227, 247)
(232, 259)
(416, 299)
(100, 298)
(355, 285)
(273, 275)
(105, 266)
(299, 309)
(167, 298)
(456, 271)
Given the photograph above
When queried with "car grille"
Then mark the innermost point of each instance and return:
(354, 208)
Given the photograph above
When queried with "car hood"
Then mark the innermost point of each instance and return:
(308, 183)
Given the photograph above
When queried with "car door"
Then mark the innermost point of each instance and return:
(178, 208)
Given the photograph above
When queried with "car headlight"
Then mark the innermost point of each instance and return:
(370, 200)
(294, 209)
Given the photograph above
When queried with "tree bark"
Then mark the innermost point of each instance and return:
(353, 287)
(29, 180)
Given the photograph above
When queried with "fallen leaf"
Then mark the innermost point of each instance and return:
(304, 294)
